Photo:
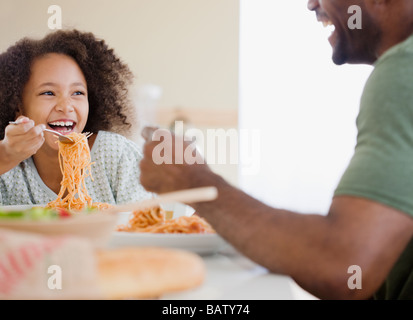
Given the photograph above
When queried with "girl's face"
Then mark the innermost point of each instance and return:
(56, 96)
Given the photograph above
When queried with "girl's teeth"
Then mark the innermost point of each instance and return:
(62, 123)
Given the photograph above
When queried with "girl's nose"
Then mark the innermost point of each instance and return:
(65, 106)
(312, 4)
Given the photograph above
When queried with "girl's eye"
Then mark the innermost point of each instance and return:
(47, 93)
(79, 93)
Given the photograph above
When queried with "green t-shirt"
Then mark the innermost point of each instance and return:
(382, 166)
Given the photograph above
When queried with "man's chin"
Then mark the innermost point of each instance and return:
(339, 60)
(340, 56)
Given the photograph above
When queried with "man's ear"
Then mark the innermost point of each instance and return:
(379, 8)
(378, 3)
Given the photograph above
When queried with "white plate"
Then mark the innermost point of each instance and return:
(20, 207)
(96, 226)
(178, 209)
(199, 243)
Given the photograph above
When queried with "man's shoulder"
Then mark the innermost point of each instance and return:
(397, 61)
(390, 85)
(401, 50)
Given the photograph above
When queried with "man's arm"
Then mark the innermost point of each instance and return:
(315, 250)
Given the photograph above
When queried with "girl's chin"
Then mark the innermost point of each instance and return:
(51, 143)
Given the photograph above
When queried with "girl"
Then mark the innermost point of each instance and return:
(69, 82)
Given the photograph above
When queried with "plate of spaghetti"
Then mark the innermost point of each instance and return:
(154, 227)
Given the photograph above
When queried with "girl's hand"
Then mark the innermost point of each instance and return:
(21, 140)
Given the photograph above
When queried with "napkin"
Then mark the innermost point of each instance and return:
(35, 266)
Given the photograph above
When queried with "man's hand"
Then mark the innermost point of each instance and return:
(170, 163)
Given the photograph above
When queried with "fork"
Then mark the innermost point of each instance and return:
(62, 138)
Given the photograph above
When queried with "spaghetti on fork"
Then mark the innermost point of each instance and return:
(75, 165)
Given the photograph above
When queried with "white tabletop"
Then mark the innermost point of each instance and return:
(231, 276)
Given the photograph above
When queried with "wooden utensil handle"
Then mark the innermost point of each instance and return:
(185, 196)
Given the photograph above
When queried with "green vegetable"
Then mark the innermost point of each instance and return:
(40, 213)
(35, 213)
(90, 209)
(11, 214)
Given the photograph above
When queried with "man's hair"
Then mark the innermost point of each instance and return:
(107, 78)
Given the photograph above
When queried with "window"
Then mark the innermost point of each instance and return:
(303, 106)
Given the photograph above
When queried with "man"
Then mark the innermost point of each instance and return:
(369, 223)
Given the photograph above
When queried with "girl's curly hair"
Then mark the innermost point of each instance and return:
(106, 76)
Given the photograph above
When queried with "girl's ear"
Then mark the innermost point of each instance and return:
(19, 112)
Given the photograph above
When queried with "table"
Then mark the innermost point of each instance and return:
(232, 276)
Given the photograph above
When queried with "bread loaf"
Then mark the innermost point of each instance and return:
(147, 272)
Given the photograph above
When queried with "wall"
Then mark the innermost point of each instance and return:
(185, 50)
